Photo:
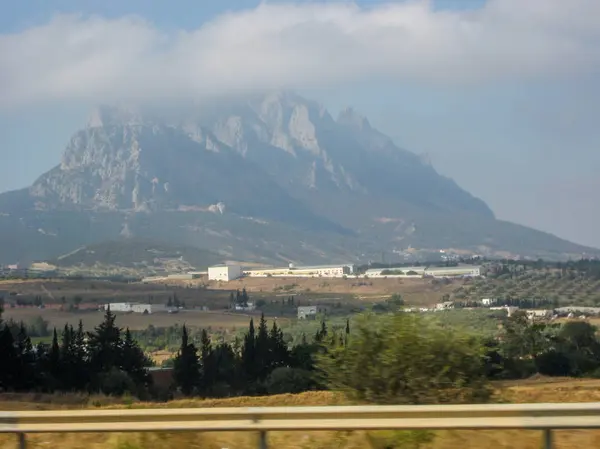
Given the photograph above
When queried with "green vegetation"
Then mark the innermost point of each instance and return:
(575, 283)
(144, 255)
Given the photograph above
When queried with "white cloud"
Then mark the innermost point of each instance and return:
(299, 45)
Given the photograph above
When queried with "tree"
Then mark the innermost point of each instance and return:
(207, 361)
(249, 367)
(280, 355)
(104, 346)
(263, 350)
(405, 359)
(134, 362)
(186, 366)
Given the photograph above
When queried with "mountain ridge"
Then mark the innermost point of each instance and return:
(274, 177)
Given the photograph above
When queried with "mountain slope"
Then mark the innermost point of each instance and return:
(135, 253)
(273, 178)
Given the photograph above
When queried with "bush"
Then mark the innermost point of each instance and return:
(289, 380)
(116, 383)
(405, 359)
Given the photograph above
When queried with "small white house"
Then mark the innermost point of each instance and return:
(247, 308)
(224, 272)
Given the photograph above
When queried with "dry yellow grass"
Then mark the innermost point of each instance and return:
(537, 390)
(414, 291)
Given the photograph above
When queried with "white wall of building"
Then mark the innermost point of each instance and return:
(141, 308)
(224, 272)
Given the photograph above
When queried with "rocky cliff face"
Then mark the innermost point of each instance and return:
(270, 167)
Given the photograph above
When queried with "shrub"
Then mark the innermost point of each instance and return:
(405, 359)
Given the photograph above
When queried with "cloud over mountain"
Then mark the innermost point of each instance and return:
(295, 45)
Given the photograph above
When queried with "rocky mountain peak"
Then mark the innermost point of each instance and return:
(350, 118)
(118, 115)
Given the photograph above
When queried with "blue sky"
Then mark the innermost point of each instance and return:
(502, 95)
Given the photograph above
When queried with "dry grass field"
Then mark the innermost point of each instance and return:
(537, 390)
(134, 321)
(414, 291)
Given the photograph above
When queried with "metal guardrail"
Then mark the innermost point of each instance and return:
(544, 417)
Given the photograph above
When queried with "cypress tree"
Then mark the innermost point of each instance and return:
(186, 366)
(263, 350)
(208, 362)
(249, 354)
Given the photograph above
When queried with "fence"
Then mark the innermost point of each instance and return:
(543, 417)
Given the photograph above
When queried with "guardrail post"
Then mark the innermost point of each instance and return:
(262, 440)
(547, 439)
(22, 442)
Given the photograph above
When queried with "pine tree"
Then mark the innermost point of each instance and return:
(9, 359)
(80, 365)
(249, 354)
(54, 363)
(208, 362)
(321, 333)
(134, 361)
(105, 346)
(245, 297)
(263, 350)
(279, 351)
(186, 366)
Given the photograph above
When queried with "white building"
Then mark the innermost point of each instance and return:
(141, 308)
(305, 312)
(460, 271)
(119, 307)
(331, 271)
(538, 314)
(247, 308)
(224, 272)
(444, 305)
(127, 307)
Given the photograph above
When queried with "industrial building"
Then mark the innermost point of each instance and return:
(308, 271)
(436, 272)
(129, 307)
(224, 272)
(307, 312)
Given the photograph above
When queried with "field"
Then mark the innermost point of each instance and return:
(134, 321)
(537, 390)
(414, 291)
(561, 288)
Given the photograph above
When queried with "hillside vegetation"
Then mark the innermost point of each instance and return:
(560, 284)
(139, 254)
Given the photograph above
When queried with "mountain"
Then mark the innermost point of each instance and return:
(142, 255)
(271, 178)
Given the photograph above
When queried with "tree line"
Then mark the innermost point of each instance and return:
(262, 363)
(105, 360)
(394, 357)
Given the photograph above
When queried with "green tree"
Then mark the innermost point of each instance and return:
(104, 344)
(134, 362)
(406, 359)
(207, 360)
(248, 362)
(186, 366)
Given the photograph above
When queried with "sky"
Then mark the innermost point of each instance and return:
(502, 95)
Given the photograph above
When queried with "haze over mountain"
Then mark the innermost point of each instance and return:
(269, 177)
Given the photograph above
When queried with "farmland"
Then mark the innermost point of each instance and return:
(560, 288)
(134, 321)
(536, 390)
